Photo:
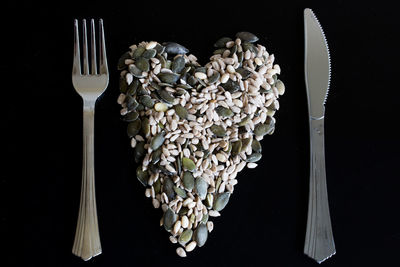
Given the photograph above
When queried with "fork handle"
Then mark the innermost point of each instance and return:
(319, 243)
(87, 239)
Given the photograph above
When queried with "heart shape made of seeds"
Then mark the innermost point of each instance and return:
(194, 128)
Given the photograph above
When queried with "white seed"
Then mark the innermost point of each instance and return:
(221, 157)
(185, 221)
(181, 252)
(177, 226)
(147, 193)
(151, 45)
(210, 226)
(189, 247)
(214, 213)
(251, 165)
(173, 239)
(160, 107)
(200, 75)
(187, 201)
(224, 77)
(258, 61)
(230, 69)
(133, 142)
(156, 203)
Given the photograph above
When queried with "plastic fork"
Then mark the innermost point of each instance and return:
(89, 86)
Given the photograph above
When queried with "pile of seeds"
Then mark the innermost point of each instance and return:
(194, 128)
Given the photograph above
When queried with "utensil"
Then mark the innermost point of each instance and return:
(89, 87)
(319, 243)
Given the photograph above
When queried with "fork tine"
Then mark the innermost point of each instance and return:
(102, 50)
(76, 66)
(93, 47)
(85, 50)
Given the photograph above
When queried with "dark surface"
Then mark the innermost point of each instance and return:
(264, 223)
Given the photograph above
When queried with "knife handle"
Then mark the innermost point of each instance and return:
(319, 243)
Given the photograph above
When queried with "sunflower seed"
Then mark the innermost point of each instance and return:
(181, 252)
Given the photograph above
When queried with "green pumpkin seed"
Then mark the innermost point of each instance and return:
(131, 116)
(178, 64)
(213, 78)
(179, 165)
(163, 61)
(233, 50)
(138, 52)
(256, 146)
(280, 86)
(145, 126)
(181, 112)
(146, 101)
(221, 200)
(245, 120)
(123, 85)
(157, 141)
(245, 143)
(188, 164)
(201, 187)
(149, 53)
(133, 87)
(180, 192)
(183, 211)
(121, 60)
(170, 78)
(219, 51)
(139, 151)
(231, 86)
(135, 71)
(209, 200)
(247, 36)
(159, 49)
(185, 237)
(157, 186)
(175, 49)
(142, 91)
(200, 235)
(205, 218)
(142, 176)
(236, 148)
(192, 81)
(168, 188)
(240, 57)
(165, 96)
(244, 73)
(263, 129)
(254, 157)
(133, 128)
(188, 180)
(224, 112)
(156, 156)
(169, 219)
(218, 130)
(222, 42)
(142, 64)
(218, 183)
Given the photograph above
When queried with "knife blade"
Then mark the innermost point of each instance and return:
(319, 243)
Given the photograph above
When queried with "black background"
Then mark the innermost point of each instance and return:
(264, 223)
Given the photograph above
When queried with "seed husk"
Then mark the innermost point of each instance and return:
(201, 234)
(178, 64)
(188, 180)
(224, 112)
(147, 101)
(180, 192)
(157, 141)
(188, 164)
(169, 219)
(168, 188)
(181, 112)
(221, 200)
(142, 176)
(133, 128)
(222, 42)
(256, 146)
(218, 130)
(254, 157)
(165, 96)
(167, 77)
(185, 237)
(201, 187)
(142, 64)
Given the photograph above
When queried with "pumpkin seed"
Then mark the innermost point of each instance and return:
(185, 237)
(231, 86)
(133, 128)
(180, 192)
(174, 48)
(178, 64)
(145, 126)
(280, 86)
(179, 165)
(131, 116)
(165, 96)
(205, 218)
(236, 148)
(224, 112)
(142, 64)
(168, 188)
(135, 71)
(245, 120)
(142, 176)
(157, 141)
(181, 112)
(253, 157)
(247, 36)
(209, 200)
(219, 51)
(188, 164)
(159, 48)
(163, 61)
(183, 211)
(188, 180)
(156, 155)
(213, 78)
(245, 143)
(222, 42)
(167, 77)
(201, 187)
(244, 73)
(200, 234)
(233, 49)
(131, 90)
(149, 53)
(218, 130)
(138, 52)
(121, 61)
(123, 85)
(146, 101)
(169, 219)
(221, 200)
(139, 151)
(157, 186)
(263, 129)
(256, 146)
(240, 56)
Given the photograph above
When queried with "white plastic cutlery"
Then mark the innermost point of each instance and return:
(319, 243)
